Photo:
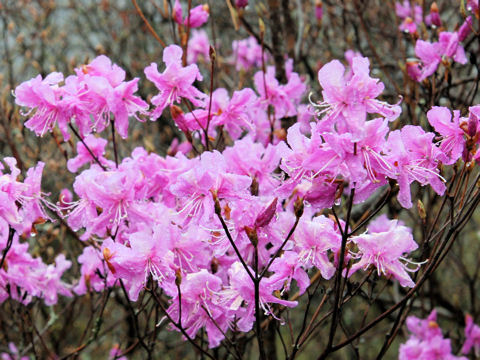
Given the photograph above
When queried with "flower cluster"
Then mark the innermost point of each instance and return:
(97, 94)
(426, 341)
(431, 55)
(247, 54)
(23, 277)
(209, 229)
(23, 206)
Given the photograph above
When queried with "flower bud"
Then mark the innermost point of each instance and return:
(218, 208)
(318, 10)
(298, 207)
(252, 235)
(434, 15)
(264, 218)
(465, 29)
(178, 277)
(107, 255)
(212, 53)
(473, 120)
(261, 26)
(177, 116)
(241, 3)
(254, 187)
(413, 70)
(421, 210)
(214, 265)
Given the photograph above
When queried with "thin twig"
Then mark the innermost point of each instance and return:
(147, 24)
(11, 232)
(114, 143)
(87, 147)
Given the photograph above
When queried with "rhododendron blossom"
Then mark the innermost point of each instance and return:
(384, 245)
(426, 341)
(175, 83)
(432, 54)
(196, 18)
(472, 337)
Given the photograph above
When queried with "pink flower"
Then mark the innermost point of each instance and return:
(314, 239)
(432, 54)
(247, 53)
(472, 5)
(200, 306)
(403, 9)
(89, 99)
(197, 17)
(103, 67)
(108, 200)
(94, 273)
(452, 141)
(209, 176)
(241, 291)
(408, 26)
(96, 145)
(411, 17)
(288, 268)
(436, 348)
(147, 256)
(349, 101)
(13, 353)
(234, 114)
(29, 277)
(115, 353)
(383, 246)
(44, 96)
(100, 90)
(123, 103)
(450, 45)
(414, 158)
(284, 98)
(50, 282)
(472, 337)
(198, 46)
(250, 158)
(372, 148)
(424, 328)
(175, 83)
(426, 341)
(23, 204)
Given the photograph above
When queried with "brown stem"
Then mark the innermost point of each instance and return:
(338, 277)
(147, 24)
(114, 143)
(11, 232)
(277, 48)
